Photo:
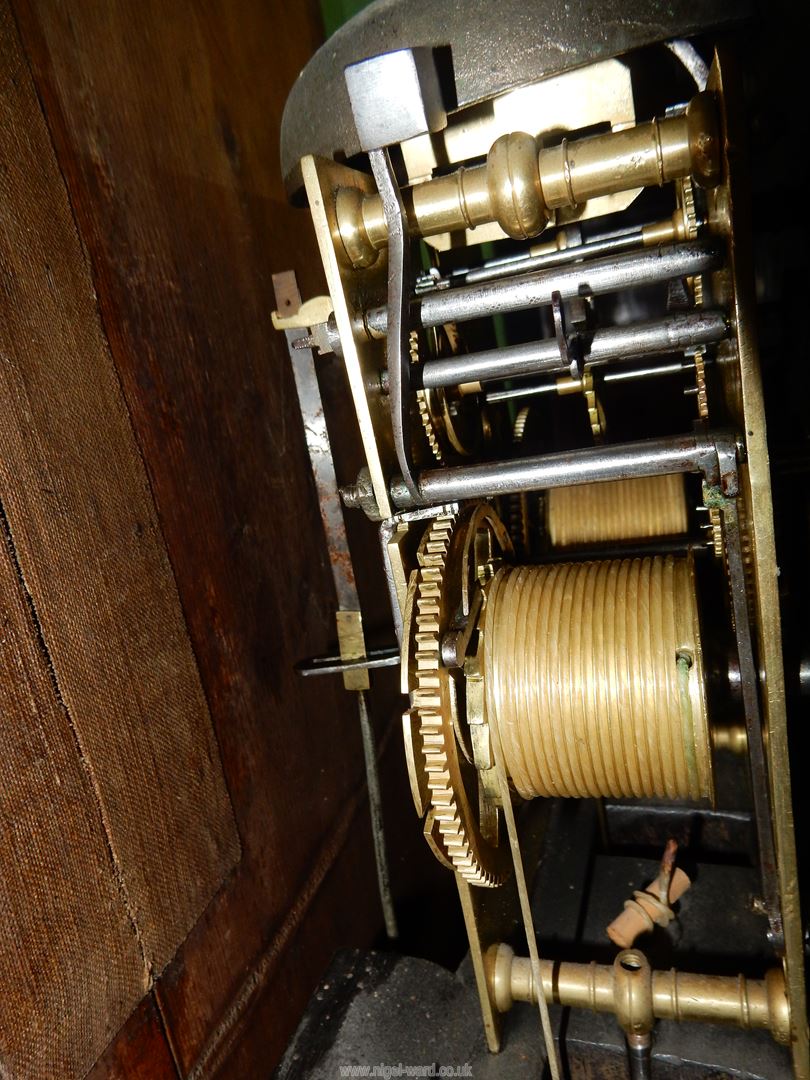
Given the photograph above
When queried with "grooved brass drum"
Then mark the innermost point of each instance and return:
(636, 509)
(593, 674)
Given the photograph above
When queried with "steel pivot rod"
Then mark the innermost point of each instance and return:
(673, 334)
(648, 457)
(592, 278)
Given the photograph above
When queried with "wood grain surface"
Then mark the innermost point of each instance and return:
(71, 964)
(165, 120)
(83, 537)
(141, 1051)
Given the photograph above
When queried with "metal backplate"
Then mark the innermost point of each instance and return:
(744, 397)
(352, 291)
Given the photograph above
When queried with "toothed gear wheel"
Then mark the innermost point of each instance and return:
(451, 427)
(596, 417)
(433, 701)
(519, 427)
(518, 503)
(424, 405)
(691, 226)
(690, 217)
(697, 289)
(716, 532)
(700, 383)
(749, 567)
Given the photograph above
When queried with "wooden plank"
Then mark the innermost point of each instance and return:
(71, 964)
(337, 906)
(260, 1030)
(86, 536)
(141, 1050)
(165, 118)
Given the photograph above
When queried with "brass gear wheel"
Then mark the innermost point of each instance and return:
(691, 226)
(691, 222)
(519, 427)
(585, 385)
(445, 429)
(423, 404)
(517, 504)
(700, 383)
(596, 416)
(716, 532)
(434, 705)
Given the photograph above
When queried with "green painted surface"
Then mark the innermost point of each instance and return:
(336, 12)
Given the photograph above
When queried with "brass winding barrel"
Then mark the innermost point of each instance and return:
(593, 675)
(640, 508)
